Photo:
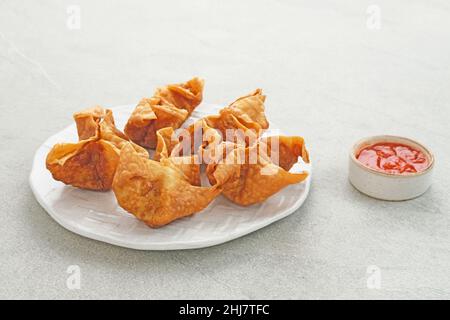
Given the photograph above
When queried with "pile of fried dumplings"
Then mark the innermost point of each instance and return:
(168, 186)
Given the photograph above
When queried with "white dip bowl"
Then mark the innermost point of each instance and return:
(389, 186)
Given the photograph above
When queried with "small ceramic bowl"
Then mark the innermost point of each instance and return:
(388, 186)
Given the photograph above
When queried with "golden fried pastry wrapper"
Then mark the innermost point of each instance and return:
(166, 142)
(164, 153)
(246, 115)
(90, 163)
(87, 121)
(199, 138)
(287, 150)
(211, 149)
(248, 175)
(244, 118)
(170, 106)
(249, 110)
(183, 95)
(157, 192)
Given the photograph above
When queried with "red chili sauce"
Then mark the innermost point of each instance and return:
(394, 158)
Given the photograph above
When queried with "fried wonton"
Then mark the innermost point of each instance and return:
(285, 150)
(249, 176)
(199, 138)
(87, 121)
(170, 106)
(157, 192)
(189, 165)
(90, 163)
(242, 122)
(166, 142)
(245, 117)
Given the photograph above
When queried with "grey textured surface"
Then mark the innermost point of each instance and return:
(327, 76)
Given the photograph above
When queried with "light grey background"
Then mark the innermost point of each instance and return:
(327, 76)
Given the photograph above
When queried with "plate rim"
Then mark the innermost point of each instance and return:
(160, 246)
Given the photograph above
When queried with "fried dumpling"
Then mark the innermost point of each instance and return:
(249, 176)
(170, 106)
(199, 138)
(91, 163)
(244, 117)
(284, 150)
(185, 96)
(166, 142)
(88, 120)
(242, 122)
(157, 192)
(188, 165)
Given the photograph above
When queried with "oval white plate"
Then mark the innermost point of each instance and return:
(96, 215)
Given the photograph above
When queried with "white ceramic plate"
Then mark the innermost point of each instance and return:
(96, 215)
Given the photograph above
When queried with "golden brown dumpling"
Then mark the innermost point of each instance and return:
(90, 163)
(244, 118)
(88, 120)
(166, 142)
(199, 139)
(286, 149)
(170, 106)
(249, 176)
(185, 96)
(188, 165)
(246, 115)
(157, 192)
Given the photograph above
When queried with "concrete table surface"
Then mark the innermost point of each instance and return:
(332, 72)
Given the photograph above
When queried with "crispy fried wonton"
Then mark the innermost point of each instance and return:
(241, 122)
(199, 138)
(286, 149)
(90, 163)
(87, 121)
(189, 165)
(170, 106)
(157, 192)
(166, 142)
(245, 115)
(249, 176)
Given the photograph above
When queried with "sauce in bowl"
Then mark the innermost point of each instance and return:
(393, 158)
